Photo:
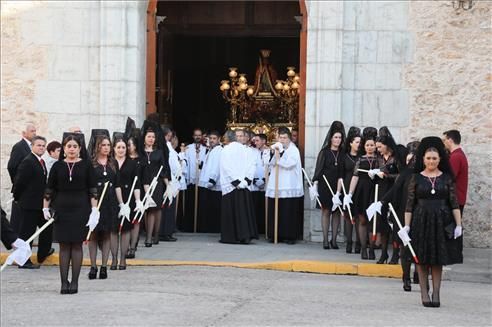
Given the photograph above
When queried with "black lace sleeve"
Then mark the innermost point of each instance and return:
(356, 167)
(412, 185)
(320, 162)
(453, 201)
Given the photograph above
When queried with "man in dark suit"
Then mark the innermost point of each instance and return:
(20, 150)
(29, 187)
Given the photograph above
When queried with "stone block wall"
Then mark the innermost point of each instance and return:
(70, 63)
(419, 67)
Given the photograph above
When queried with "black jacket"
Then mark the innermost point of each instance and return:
(30, 183)
(8, 234)
(19, 151)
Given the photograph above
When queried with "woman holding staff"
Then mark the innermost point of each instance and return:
(330, 164)
(432, 217)
(71, 191)
(153, 158)
(105, 170)
(351, 156)
(363, 185)
(127, 171)
(133, 155)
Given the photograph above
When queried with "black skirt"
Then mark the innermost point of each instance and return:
(186, 221)
(431, 242)
(259, 202)
(238, 221)
(288, 218)
(72, 210)
(168, 224)
(209, 210)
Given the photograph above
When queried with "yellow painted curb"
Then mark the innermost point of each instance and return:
(317, 267)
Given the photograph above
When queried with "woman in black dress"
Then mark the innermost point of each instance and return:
(330, 165)
(153, 158)
(133, 155)
(105, 170)
(362, 188)
(432, 217)
(71, 191)
(127, 171)
(389, 165)
(349, 159)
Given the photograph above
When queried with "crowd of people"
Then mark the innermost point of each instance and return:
(240, 186)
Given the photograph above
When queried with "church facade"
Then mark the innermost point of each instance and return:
(418, 67)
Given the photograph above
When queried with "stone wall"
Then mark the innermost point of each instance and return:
(70, 63)
(419, 67)
(449, 85)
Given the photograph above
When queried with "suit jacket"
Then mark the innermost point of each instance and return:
(30, 183)
(8, 234)
(18, 153)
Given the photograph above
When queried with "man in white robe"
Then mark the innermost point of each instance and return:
(290, 189)
(238, 223)
(195, 156)
(210, 195)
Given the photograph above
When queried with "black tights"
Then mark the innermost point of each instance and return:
(436, 272)
(95, 238)
(134, 235)
(152, 224)
(349, 229)
(120, 242)
(70, 252)
(328, 217)
(363, 223)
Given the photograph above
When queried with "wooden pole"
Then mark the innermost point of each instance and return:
(277, 158)
(266, 202)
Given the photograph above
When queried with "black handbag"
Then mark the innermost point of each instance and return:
(449, 230)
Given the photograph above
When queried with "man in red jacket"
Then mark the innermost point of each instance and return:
(459, 164)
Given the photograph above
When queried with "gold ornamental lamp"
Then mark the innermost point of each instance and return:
(237, 92)
(288, 93)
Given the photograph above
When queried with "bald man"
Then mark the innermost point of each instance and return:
(20, 150)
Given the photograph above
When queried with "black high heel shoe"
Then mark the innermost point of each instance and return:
(326, 245)
(73, 289)
(407, 285)
(357, 247)
(131, 254)
(372, 255)
(348, 247)
(65, 288)
(103, 274)
(436, 302)
(363, 254)
(383, 258)
(394, 257)
(148, 245)
(114, 266)
(92, 273)
(334, 245)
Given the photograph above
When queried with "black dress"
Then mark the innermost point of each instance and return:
(432, 225)
(348, 171)
(108, 220)
(151, 162)
(364, 193)
(71, 199)
(390, 169)
(127, 172)
(329, 164)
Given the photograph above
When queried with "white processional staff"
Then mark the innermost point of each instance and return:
(349, 210)
(128, 201)
(311, 185)
(374, 235)
(266, 201)
(331, 191)
(401, 227)
(98, 207)
(147, 196)
(363, 170)
(197, 178)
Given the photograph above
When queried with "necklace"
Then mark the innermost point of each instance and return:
(370, 162)
(335, 157)
(350, 157)
(104, 167)
(432, 180)
(70, 170)
(148, 156)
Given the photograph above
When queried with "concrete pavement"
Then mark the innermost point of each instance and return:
(204, 296)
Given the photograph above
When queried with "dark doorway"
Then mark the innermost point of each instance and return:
(199, 40)
(201, 62)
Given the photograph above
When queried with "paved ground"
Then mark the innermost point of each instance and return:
(204, 296)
